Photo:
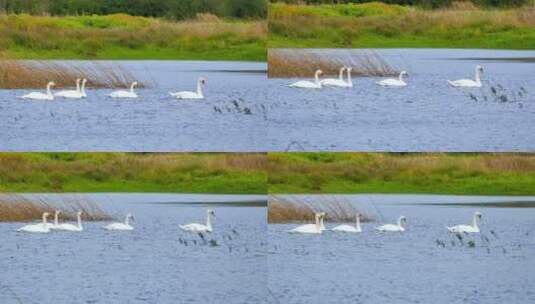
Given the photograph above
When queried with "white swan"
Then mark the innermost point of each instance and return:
(125, 94)
(37, 228)
(333, 81)
(194, 227)
(392, 82)
(393, 227)
(121, 226)
(350, 228)
(71, 227)
(306, 84)
(70, 93)
(39, 95)
(55, 224)
(469, 82)
(191, 95)
(82, 90)
(311, 228)
(474, 228)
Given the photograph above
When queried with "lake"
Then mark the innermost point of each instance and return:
(427, 115)
(155, 263)
(425, 264)
(230, 118)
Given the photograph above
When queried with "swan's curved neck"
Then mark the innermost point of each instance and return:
(478, 76)
(349, 81)
(83, 87)
(44, 219)
(401, 76)
(399, 222)
(56, 218)
(199, 88)
(358, 223)
(48, 92)
(79, 221)
(318, 225)
(317, 78)
(127, 220)
(77, 85)
(474, 222)
(208, 221)
(341, 74)
(132, 87)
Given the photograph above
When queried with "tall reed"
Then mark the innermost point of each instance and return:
(303, 63)
(18, 208)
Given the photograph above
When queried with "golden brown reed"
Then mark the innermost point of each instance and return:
(304, 63)
(19, 208)
(17, 74)
(286, 209)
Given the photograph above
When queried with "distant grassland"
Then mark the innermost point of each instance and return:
(234, 173)
(127, 37)
(476, 174)
(374, 24)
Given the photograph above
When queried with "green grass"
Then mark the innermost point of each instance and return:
(467, 174)
(128, 37)
(378, 25)
(131, 172)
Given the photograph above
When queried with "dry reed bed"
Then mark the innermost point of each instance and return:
(303, 63)
(20, 208)
(286, 209)
(17, 74)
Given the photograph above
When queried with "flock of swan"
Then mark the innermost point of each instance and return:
(46, 227)
(388, 82)
(80, 92)
(318, 227)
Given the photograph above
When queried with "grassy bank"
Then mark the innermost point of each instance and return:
(376, 25)
(127, 37)
(476, 174)
(131, 172)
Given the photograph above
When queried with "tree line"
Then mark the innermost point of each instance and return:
(423, 3)
(174, 9)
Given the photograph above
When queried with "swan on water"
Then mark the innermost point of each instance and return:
(55, 224)
(335, 82)
(70, 227)
(315, 228)
(189, 94)
(474, 228)
(306, 84)
(393, 227)
(125, 94)
(392, 82)
(39, 95)
(194, 227)
(70, 93)
(37, 228)
(350, 228)
(469, 82)
(121, 226)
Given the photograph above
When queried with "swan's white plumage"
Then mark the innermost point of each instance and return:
(315, 228)
(125, 94)
(71, 227)
(474, 228)
(39, 95)
(393, 227)
(392, 82)
(195, 227)
(121, 226)
(350, 228)
(37, 228)
(306, 84)
(469, 83)
(189, 94)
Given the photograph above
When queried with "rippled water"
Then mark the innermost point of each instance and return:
(231, 118)
(427, 115)
(412, 267)
(147, 265)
